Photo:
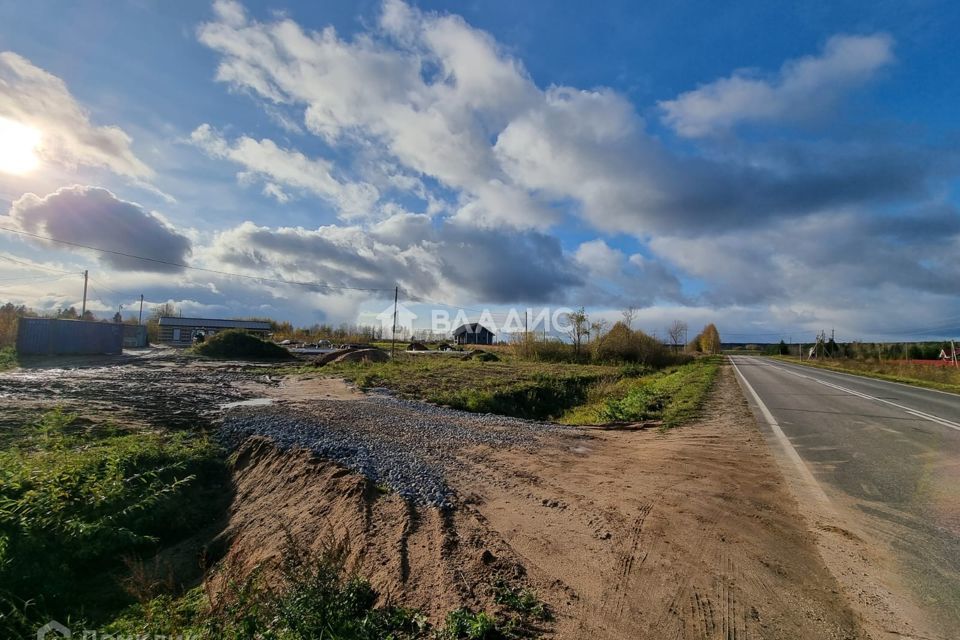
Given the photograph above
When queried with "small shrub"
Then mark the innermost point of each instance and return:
(8, 358)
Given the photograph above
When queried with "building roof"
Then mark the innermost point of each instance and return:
(215, 323)
(473, 327)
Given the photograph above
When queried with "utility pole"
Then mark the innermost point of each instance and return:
(83, 309)
(953, 350)
(393, 335)
(140, 319)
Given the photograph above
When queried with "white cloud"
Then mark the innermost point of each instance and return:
(428, 89)
(803, 88)
(599, 258)
(444, 103)
(39, 99)
(274, 164)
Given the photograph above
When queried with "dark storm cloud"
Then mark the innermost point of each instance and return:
(96, 217)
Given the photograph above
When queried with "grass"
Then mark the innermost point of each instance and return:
(509, 387)
(920, 375)
(8, 358)
(576, 394)
(235, 344)
(76, 499)
(673, 396)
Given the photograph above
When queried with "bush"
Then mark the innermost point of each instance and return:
(622, 344)
(532, 347)
(8, 358)
(238, 344)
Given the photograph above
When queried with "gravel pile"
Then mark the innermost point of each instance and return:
(403, 444)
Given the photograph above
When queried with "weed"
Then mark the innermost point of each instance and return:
(468, 625)
(520, 600)
(8, 358)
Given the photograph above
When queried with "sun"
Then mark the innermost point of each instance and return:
(18, 144)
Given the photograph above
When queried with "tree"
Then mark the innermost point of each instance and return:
(153, 320)
(677, 331)
(596, 329)
(710, 339)
(783, 348)
(629, 314)
(579, 327)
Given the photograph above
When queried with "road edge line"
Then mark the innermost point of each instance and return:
(784, 441)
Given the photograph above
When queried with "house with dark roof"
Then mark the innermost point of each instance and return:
(181, 332)
(473, 333)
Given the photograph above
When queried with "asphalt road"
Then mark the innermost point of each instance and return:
(887, 452)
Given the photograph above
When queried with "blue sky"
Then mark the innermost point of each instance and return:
(776, 169)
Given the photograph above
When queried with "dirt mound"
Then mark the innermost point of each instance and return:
(240, 345)
(363, 355)
(330, 357)
(415, 556)
(417, 346)
(481, 355)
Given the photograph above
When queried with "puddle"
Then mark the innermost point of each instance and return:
(256, 402)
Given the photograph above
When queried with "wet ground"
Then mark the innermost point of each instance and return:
(157, 388)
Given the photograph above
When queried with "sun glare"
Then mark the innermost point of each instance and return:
(18, 144)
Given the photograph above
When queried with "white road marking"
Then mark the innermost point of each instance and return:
(912, 387)
(914, 412)
(785, 443)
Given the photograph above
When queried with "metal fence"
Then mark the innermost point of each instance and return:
(134, 336)
(47, 336)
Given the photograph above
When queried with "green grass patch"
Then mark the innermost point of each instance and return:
(77, 499)
(235, 344)
(8, 358)
(575, 394)
(942, 378)
(673, 395)
(507, 387)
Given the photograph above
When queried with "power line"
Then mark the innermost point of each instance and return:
(34, 277)
(319, 285)
(36, 266)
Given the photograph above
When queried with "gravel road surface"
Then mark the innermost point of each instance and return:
(405, 445)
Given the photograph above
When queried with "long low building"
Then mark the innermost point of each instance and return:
(180, 332)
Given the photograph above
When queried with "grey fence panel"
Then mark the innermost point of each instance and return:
(47, 336)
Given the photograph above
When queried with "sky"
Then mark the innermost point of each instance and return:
(774, 168)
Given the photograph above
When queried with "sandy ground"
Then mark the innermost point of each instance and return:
(625, 534)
